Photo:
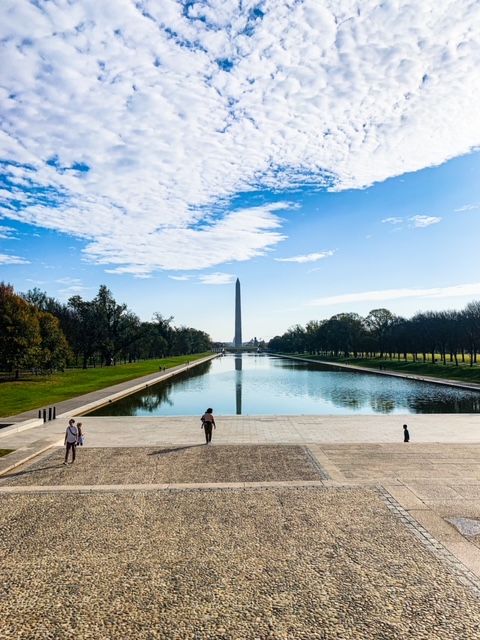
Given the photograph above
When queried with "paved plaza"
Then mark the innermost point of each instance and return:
(284, 527)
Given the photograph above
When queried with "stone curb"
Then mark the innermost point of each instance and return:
(21, 426)
(147, 488)
(24, 454)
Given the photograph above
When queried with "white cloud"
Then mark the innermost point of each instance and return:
(310, 257)
(6, 259)
(133, 128)
(73, 290)
(472, 289)
(468, 207)
(239, 235)
(217, 278)
(211, 278)
(37, 283)
(137, 271)
(69, 281)
(6, 233)
(393, 220)
(72, 287)
(424, 221)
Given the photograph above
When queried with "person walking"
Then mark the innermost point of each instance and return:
(406, 435)
(71, 440)
(208, 423)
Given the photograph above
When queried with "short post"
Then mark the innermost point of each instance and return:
(49, 413)
(54, 413)
(44, 415)
(39, 414)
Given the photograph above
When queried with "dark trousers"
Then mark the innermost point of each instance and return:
(73, 447)
(208, 431)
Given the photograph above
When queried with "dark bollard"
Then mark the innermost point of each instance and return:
(49, 413)
(54, 413)
(44, 415)
(39, 414)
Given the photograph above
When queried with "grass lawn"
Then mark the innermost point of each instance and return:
(4, 452)
(463, 372)
(33, 392)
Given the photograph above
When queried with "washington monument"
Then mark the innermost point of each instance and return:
(238, 316)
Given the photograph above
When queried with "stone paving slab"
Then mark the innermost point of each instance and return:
(465, 549)
(469, 491)
(300, 564)
(405, 496)
(456, 508)
(356, 461)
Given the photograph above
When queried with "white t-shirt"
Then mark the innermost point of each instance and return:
(72, 433)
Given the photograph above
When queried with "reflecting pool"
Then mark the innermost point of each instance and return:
(259, 384)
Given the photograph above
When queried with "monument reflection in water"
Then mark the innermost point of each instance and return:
(259, 384)
(238, 384)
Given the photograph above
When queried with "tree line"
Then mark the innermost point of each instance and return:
(451, 335)
(38, 332)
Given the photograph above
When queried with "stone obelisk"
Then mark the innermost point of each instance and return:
(238, 315)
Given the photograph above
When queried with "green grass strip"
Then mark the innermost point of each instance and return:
(36, 391)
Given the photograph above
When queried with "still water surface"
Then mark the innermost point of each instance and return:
(258, 384)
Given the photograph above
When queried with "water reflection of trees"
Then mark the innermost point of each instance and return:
(383, 404)
(354, 399)
(149, 400)
(445, 404)
(351, 398)
(441, 401)
(284, 363)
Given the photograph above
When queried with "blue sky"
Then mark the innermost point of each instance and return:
(326, 153)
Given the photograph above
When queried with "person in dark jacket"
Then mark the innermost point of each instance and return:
(208, 423)
(406, 435)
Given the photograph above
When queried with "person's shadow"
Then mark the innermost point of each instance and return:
(26, 472)
(162, 452)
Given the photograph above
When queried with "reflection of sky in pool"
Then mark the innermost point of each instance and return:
(263, 385)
